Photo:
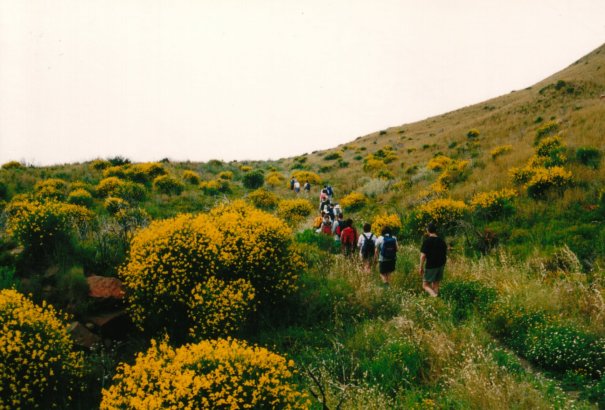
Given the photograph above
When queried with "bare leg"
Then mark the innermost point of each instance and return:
(428, 287)
(435, 286)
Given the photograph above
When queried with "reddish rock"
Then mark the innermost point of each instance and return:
(82, 336)
(105, 287)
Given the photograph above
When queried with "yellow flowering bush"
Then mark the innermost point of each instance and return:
(439, 163)
(551, 151)
(493, 204)
(226, 175)
(500, 150)
(275, 179)
(386, 154)
(353, 201)
(218, 308)
(548, 179)
(53, 188)
(166, 261)
(38, 368)
(99, 164)
(234, 242)
(169, 185)
(263, 199)
(383, 220)
(445, 212)
(521, 175)
(294, 211)
(245, 168)
(80, 197)
(191, 177)
(215, 187)
(473, 133)
(373, 166)
(114, 205)
(257, 246)
(221, 374)
(455, 171)
(42, 227)
(12, 165)
(118, 171)
(303, 176)
(145, 172)
(116, 187)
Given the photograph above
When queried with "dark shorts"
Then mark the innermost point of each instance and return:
(386, 267)
(433, 274)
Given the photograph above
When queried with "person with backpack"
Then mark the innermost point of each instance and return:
(386, 250)
(337, 227)
(433, 255)
(292, 183)
(307, 188)
(330, 192)
(348, 239)
(326, 224)
(367, 247)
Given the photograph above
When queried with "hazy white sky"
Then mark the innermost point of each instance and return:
(227, 79)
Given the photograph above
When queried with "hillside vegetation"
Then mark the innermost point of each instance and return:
(231, 300)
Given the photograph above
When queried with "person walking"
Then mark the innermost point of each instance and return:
(386, 250)
(307, 188)
(433, 255)
(296, 186)
(348, 239)
(367, 247)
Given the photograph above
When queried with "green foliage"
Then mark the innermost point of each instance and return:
(589, 156)
(253, 179)
(325, 242)
(118, 160)
(72, 289)
(468, 297)
(546, 129)
(12, 165)
(472, 133)
(564, 348)
(7, 278)
(332, 156)
(168, 185)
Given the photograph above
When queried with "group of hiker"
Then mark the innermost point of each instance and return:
(382, 249)
(295, 186)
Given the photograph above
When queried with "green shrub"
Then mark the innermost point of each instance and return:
(80, 197)
(11, 165)
(512, 324)
(191, 177)
(263, 199)
(546, 129)
(168, 185)
(333, 156)
(555, 179)
(253, 179)
(589, 156)
(473, 133)
(563, 348)
(467, 297)
(7, 278)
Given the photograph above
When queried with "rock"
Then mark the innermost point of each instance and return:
(82, 336)
(105, 287)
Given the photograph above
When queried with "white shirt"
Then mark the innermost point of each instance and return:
(362, 239)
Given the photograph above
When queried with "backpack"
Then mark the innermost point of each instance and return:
(388, 250)
(368, 248)
(338, 229)
(326, 227)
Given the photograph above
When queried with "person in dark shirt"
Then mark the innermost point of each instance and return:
(433, 254)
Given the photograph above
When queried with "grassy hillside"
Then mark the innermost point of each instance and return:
(516, 185)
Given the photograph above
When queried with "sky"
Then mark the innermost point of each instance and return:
(264, 79)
